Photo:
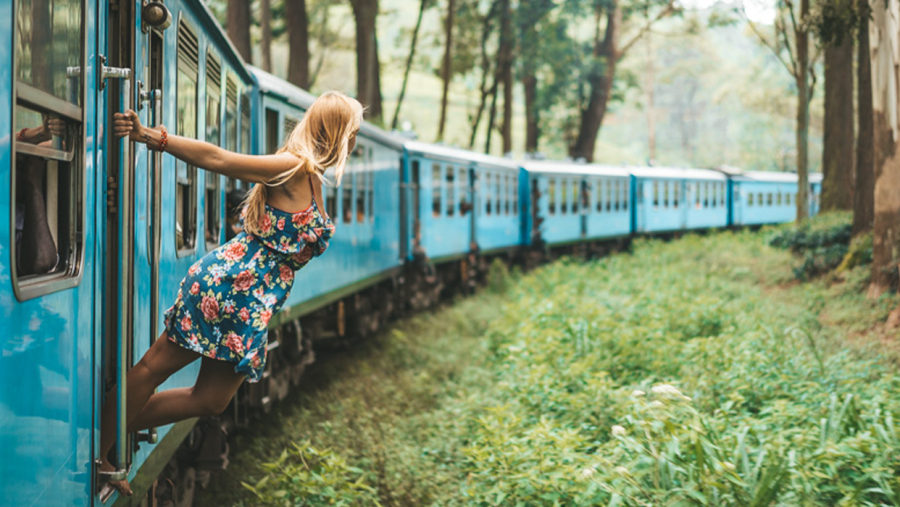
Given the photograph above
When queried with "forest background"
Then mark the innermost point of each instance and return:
(696, 87)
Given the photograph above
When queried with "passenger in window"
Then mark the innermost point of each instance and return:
(36, 251)
(225, 302)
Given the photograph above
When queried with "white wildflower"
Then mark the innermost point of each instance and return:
(587, 472)
(728, 466)
(637, 393)
(669, 390)
(655, 404)
(621, 470)
(618, 431)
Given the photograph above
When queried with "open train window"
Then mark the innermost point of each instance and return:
(551, 196)
(436, 190)
(489, 199)
(598, 193)
(573, 192)
(272, 139)
(515, 193)
(186, 125)
(676, 194)
(48, 169)
(370, 186)
(331, 200)
(213, 135)
(655, 194)
(462, 181)
(347, 184)
(245, 122)
(563, 196)
(769, 199)
(510, 194)
(778, 199)
(759, 198)
(611, 189)
(450, 175)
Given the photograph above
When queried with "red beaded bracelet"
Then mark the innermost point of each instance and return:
(163, 139)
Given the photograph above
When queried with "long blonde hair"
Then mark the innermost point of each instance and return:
(321, 141)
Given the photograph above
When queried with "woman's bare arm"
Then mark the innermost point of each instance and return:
(255, 168)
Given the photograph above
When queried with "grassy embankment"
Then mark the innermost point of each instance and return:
(697, 371)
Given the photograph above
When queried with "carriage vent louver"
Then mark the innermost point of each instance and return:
(188, 48)
(289, 124)
(213, 71)
(231, 91)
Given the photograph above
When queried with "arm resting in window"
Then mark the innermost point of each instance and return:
(254, 168)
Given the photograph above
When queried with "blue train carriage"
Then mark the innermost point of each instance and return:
(96, 204)
(764, 198)
(675, 199)
(576, 202)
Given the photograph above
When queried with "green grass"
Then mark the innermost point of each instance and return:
(696, 371)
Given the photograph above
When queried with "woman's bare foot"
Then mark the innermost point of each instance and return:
(121, 486)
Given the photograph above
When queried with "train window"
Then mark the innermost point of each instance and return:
(624, 196)
(515, 193)
(551, 196)
(436, 190)
(362, 191)
(48, 172)
(614, 195)
(750, 199)
(463, 189)
(271, 131)
(450, 174)
(778, 198)
(666, 194)
(598, 194)
(331, 201)
(610, 194)
(504, 192)
(769, 199)
(488, 198)
(245, 122)
(231, 112)
(564, 196)
(497, 193)
(759, 198)
(186, 125)
(510, 194)
(676, 194)
(655, 194)
(370, 186)
(347, 188)
(213, 110)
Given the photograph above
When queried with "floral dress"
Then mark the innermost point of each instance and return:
(224, 304)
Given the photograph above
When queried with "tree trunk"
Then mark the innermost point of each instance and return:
(409, 61)
(532, 129)
(837, 152)
(802, 79)
(651, 106)
(864, 192)
(506, 57)
(485, 71)
(885, 96)
(238, 20)
(298, 42)
(446, 66)
(368, 81)
(600, 86)
(492, 112)
(265, 25)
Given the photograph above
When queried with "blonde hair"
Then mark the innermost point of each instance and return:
(321, 141)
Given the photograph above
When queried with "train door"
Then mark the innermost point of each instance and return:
(133, 49)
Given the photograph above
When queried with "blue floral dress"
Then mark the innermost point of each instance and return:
(224, 304)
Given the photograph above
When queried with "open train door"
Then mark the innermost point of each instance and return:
(131, 78)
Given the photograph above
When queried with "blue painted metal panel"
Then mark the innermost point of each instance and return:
(764, 198)
(497, 218)
(608, 213)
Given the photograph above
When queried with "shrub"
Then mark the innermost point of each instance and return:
(821, 242)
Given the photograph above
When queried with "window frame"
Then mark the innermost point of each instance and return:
(192, 171)
(212, 181)
(33, 286)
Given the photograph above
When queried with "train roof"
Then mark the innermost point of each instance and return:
(292, 94)
(458, 154)
(579, 168)
(677, 173)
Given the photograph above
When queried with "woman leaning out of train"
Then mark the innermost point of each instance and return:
(225, 301)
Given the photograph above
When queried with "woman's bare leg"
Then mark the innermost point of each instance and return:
(216, 384)
(159, 362)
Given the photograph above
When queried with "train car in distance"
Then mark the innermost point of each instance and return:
(574, 202)
(674, 199)
(770, 197)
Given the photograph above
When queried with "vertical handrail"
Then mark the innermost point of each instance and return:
(126, 252)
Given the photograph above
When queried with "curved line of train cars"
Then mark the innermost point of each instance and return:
(95, 233)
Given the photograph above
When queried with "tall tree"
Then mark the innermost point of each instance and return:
(298, 42)
(837, 149)
(238, 26)
(864, 192)
(265, 26)
(884, 41)
(505, 61)
(487, 29)
(423, 4)
(446, 65)
(790, 44)
(605, 55)
(368, 68)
